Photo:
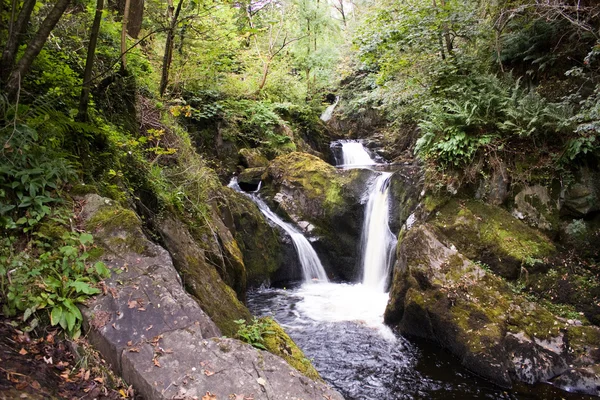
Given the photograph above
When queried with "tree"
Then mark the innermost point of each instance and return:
(172, 18)
(16, 32)
(82, 114)
(34, 47)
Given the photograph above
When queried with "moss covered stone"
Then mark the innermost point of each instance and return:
(279, 343)
(440, 295)
(492, 235)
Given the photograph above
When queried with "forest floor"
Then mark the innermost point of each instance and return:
(47, 366)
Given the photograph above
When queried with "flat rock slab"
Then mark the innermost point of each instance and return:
(192, 367)
(157, 337)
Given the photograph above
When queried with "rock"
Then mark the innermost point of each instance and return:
(491, 235)
(250, 178)
(219, 367)
(582, 197)
(580, 380)
(260, 243)
(537, 208)
(440, 295)
(201, 278)
(494, 189)
(308, 189)
(252, 158)
(158, 338)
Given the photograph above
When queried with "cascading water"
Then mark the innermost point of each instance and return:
(354, 155)
(312, 269)
(377, 240)
(328, 113)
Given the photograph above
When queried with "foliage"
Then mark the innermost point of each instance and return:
(30, 173)
(50, 275)
(254, 332)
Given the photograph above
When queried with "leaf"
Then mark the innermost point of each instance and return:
(83, 287)
(23, 351)
(209, 396)
(86, 238)
(102, 270)
(261, 381)
(55, 315)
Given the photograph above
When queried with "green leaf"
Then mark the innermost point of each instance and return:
(55, 315)
(86, 238)
(70, 318)
(82, 287)
(102, 270)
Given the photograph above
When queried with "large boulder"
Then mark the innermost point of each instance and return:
(158, 337)
(327, 201)
(491, 235)
(440, 295)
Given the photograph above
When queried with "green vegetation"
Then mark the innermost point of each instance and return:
(254, 333)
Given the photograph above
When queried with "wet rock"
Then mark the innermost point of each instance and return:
(308, 189)
(260, 243)
(250, 178)
(440, 295)
(580, 380)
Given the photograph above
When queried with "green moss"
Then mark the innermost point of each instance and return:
(432, 202)
(492, 235)
(113, 218)
(52, 230)
(280, 344)
(95, 253)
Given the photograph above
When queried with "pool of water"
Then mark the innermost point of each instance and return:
(339, 327)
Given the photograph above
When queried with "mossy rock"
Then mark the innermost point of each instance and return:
(440, 295)
(252, 158)
(259, 242)
(279, 343)
(305, 188)
(491, 235)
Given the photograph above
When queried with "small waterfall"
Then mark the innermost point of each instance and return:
(312, 269)
(354, 155)
(377, 240)
(328, 113)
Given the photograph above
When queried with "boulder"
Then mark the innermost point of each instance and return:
(440, 295)
(491, 235)
(157, 336)
(308, 190)
(252, 158)
(250, 178)
(536, 206)
(583, 196)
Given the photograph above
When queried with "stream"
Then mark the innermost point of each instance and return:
(339, 326)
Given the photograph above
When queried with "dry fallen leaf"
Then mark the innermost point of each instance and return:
(36, 385)
(130, 343)
(134, 350)
(155, 361)
(148, 328)
(132, 304)
(261, 381)
(208, 373)
(209, 396)
(22, 351)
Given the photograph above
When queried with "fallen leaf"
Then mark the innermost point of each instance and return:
(132, 304)
(48, 360)
(86, 376)
(36, 385)
(261, 381)
(134, 350)
(23, 351)
(208, 373)
(130, 343)
(99, 380)
(156, 362)
(148, 328)
(209, 396)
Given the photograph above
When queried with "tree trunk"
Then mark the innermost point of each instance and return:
(124, 35)
(16, 32)
(82, 114)
(263, 80)
(168, 57)
(34, 47)
(136, 16)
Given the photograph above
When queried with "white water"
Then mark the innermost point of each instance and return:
(328, 113)
(354, 155)
(377, 242)
(312, 269)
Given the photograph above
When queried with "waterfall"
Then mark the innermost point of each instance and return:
(354, 155)
(328, 113)
(312, 269)
(377, 242)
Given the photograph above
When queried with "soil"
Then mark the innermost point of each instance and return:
(44, 365)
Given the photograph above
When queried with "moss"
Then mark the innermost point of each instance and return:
(492, 235)
(114, 218)
(95, 253)
(280, 344)
(52, 230)
(433, 202)
(318, 180)
(83, 189)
